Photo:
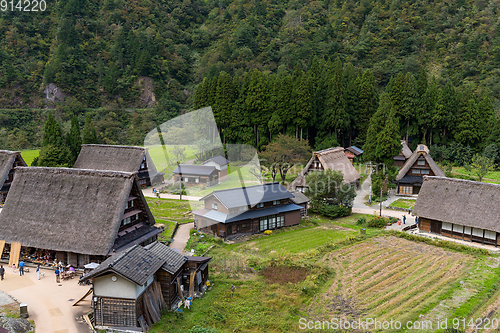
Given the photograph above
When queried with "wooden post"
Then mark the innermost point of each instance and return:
(179, 290)
(191, 284)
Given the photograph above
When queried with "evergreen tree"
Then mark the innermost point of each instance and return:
(89, 134)
(408, 114)
(256, 101)
(351, 98)
(201, 95)
(336, 117)
(468, 124)
(52, 134)
(304, 102)
(74, 140)
(224, 100)
(368, 102)
(448, 106)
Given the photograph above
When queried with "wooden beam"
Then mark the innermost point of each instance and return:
(191, 284)
(179, 290)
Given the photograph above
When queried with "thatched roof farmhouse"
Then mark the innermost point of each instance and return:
(459, 208)
(78, 215)
(404, 155)
(120, 158)
(410, 176)
(8, 161)
(327, 159)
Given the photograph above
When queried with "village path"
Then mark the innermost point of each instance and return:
(182, 236)
(49, 304)
(148, 192)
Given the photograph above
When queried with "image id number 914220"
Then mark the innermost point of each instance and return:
(23, 5)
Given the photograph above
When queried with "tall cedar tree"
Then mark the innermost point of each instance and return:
(368, 102)
(89, 134)
(256, 101)
(52, 134)
(224, 100)
(304, 102)
(336, 116)
(74, 140)
(448, 105)
(410, 102)
(201, 95)
(351, 97)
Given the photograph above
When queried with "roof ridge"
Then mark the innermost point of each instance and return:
(109, 173)
(115, 146)
(242, 187)
(9, 152)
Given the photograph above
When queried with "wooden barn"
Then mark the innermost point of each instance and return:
(410, 176)
(403, 156)
(196, 174)
(75, 216)
(131, 289)
(353, 153)
(8, 161)
(249, 209)
(460, 209)
(328, 159)
(120, 158)
(220, 163)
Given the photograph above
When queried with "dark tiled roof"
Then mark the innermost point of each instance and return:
(134, 237)
(136, 264)
(250, 214)
(411, 180)
(201, 170)
(174, 260)
(219, 160)
(299, 198)
(357, 151)
(251, 195)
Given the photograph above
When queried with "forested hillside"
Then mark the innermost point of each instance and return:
(121, 54)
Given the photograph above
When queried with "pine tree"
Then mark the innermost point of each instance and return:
(52, 134)
(201, 95)
(304, 102)
(351, 98)
(336, 117)
(74, 140)
(89, 134)
(224, 100)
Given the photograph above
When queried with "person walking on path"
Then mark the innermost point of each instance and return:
(2, 271)
(58, 280)
(416, 220)
(409, 211)
(38, 272)
(404, 219)
(21, 268)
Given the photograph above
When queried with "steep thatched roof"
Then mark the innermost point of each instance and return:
(463, 202)
(423, 151)
(331, 159)
(64, 209)
(7, 159)
(405, 150)
(115, 158)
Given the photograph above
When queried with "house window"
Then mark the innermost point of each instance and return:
(186, 179)
(130, 204)
(446, 226)
(263, 223)
(197, 180)
(458, 228)
(416, 171)
(490, 234)
(272, 222)
(214, 205)
(243, 209)
(127, 220)
(424, 171)
(477, 232)
(405, 190)
(421, 162)
(276, 202)
(260, 205)
(280, 221)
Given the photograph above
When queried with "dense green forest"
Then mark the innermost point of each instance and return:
(313, 69)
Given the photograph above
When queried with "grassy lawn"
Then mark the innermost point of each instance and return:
(29, 155)
(168, 231)
(490, 177)
(168, 163)
(403, 203)
(170, 210)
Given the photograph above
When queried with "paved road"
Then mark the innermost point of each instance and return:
(49, 304)
(182, 236)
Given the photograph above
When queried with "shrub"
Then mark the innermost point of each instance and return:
(268, 232)
(377, 222)
(361, 221)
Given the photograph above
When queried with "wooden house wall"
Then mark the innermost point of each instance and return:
(292, 218)
(220, 207)
(434, 226)
(115, 312)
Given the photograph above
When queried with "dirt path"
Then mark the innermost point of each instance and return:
(49, 303)
(182, 236)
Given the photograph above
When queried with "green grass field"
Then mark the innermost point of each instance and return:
(170, 210)
(490, 177)
(29, 155)
(403, 203)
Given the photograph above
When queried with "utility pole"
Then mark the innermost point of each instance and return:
(180, 180)
(382, 187)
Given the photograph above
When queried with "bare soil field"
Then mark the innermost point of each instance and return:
(389, 278)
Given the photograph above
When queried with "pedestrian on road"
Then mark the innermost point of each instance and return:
(58, 279)
(409, 211)
(2, 271)
(416, 220)
(38, 272)
(404, 219)
(21, 268)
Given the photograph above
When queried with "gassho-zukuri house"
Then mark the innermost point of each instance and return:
(249, 209)
(410, 176)
(327, 159)
(75, 216)
(461, 209)
(120, 158)
(8, 161)
(131, 289)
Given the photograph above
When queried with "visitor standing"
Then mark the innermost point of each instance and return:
(58, 280)
(38, 272)
(21, 268)
(2, 271)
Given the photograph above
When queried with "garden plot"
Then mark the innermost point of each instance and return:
(389, 278)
